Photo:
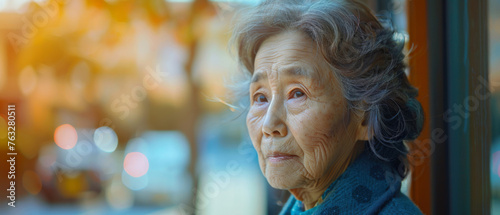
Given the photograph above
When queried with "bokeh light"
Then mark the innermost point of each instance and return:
(135, 183)
(65, 136)
(495, 163)
(118, 196)
(27, 80)
(105, 139)
(80, 75)
(47, 157)
(32, 182)
(136, 164)
(498, 171)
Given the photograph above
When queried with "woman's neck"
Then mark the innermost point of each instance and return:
(310, 195)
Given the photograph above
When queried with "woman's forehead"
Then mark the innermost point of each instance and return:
(291, 53)
(286, 46)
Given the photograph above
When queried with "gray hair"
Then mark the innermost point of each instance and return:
(362, 54)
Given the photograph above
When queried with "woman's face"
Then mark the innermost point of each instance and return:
(298, 119)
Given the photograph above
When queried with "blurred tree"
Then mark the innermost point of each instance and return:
(100, 34)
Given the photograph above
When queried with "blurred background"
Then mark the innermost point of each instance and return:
(121, 107)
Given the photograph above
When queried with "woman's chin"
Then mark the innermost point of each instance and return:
(281, 180)
(282, 174)
(279, 184)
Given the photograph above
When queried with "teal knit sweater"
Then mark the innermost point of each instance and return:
(368, 186)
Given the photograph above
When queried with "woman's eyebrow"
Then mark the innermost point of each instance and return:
(258, 76)
(296, 71)
(287, 71)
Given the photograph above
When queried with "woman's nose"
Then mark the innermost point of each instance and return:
(274, 124)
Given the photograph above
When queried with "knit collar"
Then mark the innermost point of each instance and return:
(364, 188)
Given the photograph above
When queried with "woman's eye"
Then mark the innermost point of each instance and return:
(297, 94)
(260, 98)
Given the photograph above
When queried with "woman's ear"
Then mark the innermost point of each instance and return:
(363, 133)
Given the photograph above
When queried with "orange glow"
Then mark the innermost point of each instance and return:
(136, 164)
(65, 136)
(32, 182)
(3, 127)
(27, 80)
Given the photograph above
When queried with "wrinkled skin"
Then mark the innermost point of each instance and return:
(298, 120)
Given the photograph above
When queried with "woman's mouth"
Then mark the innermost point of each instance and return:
(278, 157)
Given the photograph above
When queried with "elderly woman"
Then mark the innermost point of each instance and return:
(330, 105)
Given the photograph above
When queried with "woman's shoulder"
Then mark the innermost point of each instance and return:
(400, 204)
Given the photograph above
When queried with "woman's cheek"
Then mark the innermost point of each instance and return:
(296, 106)
(254, 125)
(315, 138)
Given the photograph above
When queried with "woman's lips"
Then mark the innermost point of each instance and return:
(278, 157)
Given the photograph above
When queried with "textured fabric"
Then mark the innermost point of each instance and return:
(368, 186)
